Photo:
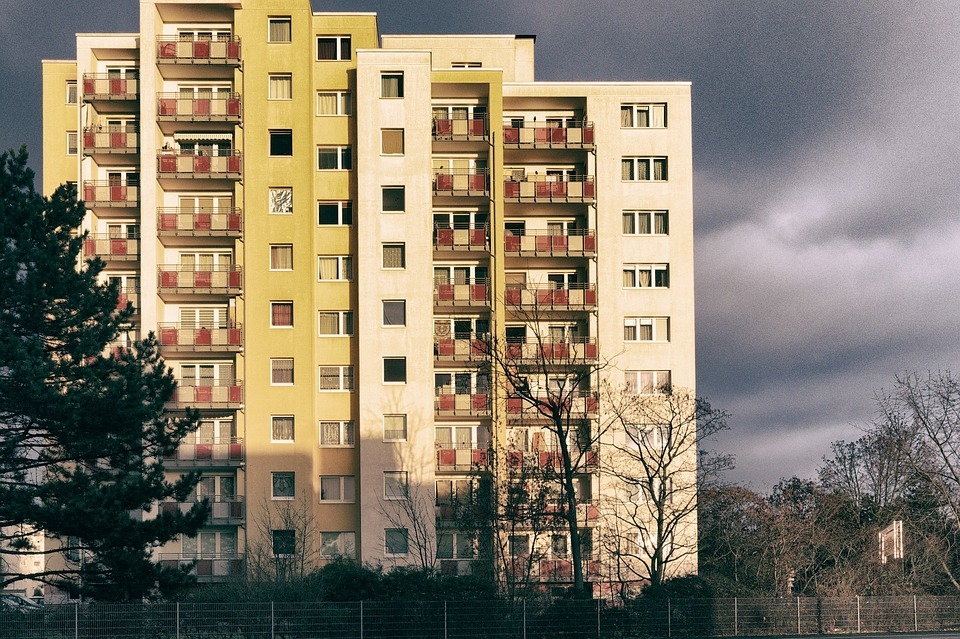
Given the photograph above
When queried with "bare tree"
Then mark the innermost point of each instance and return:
(412, 509)
(285, 548)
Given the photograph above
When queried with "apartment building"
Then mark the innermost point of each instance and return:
(327, 227)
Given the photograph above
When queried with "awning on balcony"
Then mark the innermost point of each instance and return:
(196, 137)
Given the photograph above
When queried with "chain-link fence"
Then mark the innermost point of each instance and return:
(647, 617)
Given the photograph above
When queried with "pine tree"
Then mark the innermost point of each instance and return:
(83, 430)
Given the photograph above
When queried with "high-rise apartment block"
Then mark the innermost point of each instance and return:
(326, 228)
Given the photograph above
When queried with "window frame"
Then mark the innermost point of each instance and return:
(402, 247)
(390, 439)
(273, 195)
(278, 365)
(276, 305)
(72, 92)
(396, 485)
(344, 154)
(278, 137)
(274, 81)
(398, 360)
(344, 100)
(383, 316)
(346, 323)
(346, 429)
(340, 542)
(657, 384)
(636, 109)
(637, 215)
(339, 42)
(653, 321)
(653, 269)
(344, 210)
(387, 546)
(397, 192)
(346, 376)
(392, 137)
(75, 145)
(291, 542)
(345, 269)
(387, 76)
(344, 481)
(274, 422)
(275, 251)
(282, 475)
(280, 20)
(651, 162)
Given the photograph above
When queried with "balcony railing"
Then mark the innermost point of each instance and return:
(463, 567)
(550, 296)
(550, 457)
(461, 129)
(462, 457)
(226, 394)
(110, 194)
(174, 50)
(182, 222)
(470, 292)
(461, 349)
(129, 294)
(225, 165)
(111, 248)
(543, 349)
(211, 280)
(462, 237)
(210, 107)
(224, 509)
(561, 570)
(103, 86)
(450, 403)
(462, 183)
(545, 135)
(210, 451)
(207, 567)
(580, 405)
(545, 188)
(182, 338)
(574, 243)
(115, 140)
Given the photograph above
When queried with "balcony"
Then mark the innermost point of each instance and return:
(462, 457)
(461, 349)
(225, 452)
(547, 188)
(105, 194)
(462, 237)
(129, 295)
(550, 457)
(182, 222)
(174, 50)
(574, 350)
(178, 338)
(575, 135)
(110, 140)
(561, 570)
(105, 87)
(462, 183)
(221, 394)
(111, 248)
(225, 165)
(224, 509)
(470, 292)
(207, 567)
(581, 405)
(551, 296)
(461, 129)
(448, 403)
(209, 107)
(573, 243)
(175, 279)
(463, 567)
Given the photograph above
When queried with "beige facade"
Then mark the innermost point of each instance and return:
(322, 225)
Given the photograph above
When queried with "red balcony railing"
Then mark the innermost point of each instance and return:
(104, 86)
(461, 237)
(545, 188)
(449, 403)
(462, 457)
(175, 50)
(225, 165)
(465, 349)
(580, 404)
(207, 567)
(224, 509)
(114, 140)
(226, 451)
(227, 394)
(546, 135)
(214, 280)
(574, 243)
(183, 222)
(461, 129)
(470, 292)
(462, 183)
(110, 194)
(128, 294)
(552, 296)
(180, 337)
(111, 248)
(209, 107)
(544, 349)
(550, 457)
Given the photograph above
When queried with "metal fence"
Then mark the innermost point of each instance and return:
(486, 620)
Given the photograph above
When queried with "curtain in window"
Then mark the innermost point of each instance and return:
(629, 278)
(328, 268)
(281, 258)
(629, 332)
(328, 323)
(281, 88)
(282, 370)
(644, 278)
(644, 223)
(329, 377)
(626, 170)
(280, 31)
(390, 86)
(283, 428)
(643, 117)
(629, 224)
(282, 314)
(660, 223)
(626, 116)
(327, 103)
(326, 48)
(330, 433)
(660, 169)
(392, 257)
(645, 332)
(658, 115)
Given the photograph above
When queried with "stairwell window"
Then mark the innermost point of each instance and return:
(646, 223)
(391, 84)
(335, 213)
(338, 488)
(333, 48)
(335, 378)
(646, 329)
(334, 103)
(279, 29)
(334, 268)
(280, 86)
(646, 169)
(337, 434)
(646, 275)
(643, 116)
(334, 158)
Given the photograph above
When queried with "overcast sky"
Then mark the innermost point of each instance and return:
(826, 137)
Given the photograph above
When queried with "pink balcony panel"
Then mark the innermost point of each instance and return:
(444, 182)
(447, 457)
(445, 347)
(480, 402)
(511, 189)
(478, 237)
(511, 135)
(481, 457)
(445, 237)
(478, 292)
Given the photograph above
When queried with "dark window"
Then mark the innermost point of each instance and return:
(395, 369)
(281, 142)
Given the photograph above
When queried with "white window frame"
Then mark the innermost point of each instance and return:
(659, 329)
(654, 113)
(72, 95)
(279, 20)
(340, 40)
(344, 268)
(396, 358)
(652, 271)
(345, 543)
(274, 303)
(458, 541)
(396, 485)
(344, 210)
(383, 314)
(386, 133)
(344, 100)
(346, 376)
(273, 544)
(656, 380)
(403, 256)
(392, 431)
(383, 198)
(279, 248)
(278, 81)
(73, 143)
(344, 156)
(274, 476)
(650, 163)
(386, 546)
(277, 365)
(273, 429)
(270, 135)
(344, 482)
(346, 433)
(389, 76)
(345, 323)
(280, 200)
(651, 222)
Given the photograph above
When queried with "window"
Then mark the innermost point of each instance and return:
(519, 545)
(456, 545)
(281, 200)
(281, 257)
(647, 382)
(334, 323)
(281, 314)
(394, 370)
(646, 275)
(334, 103)
(72, 97)
(333, 268)
(280, 87)
(391, 85)
(466, 65)
(337, 488)
(645, 223)
(646, 329)
(281, 371)
(333, 48)
(394, 255)
(643, 116)
(284, 543)
(395, 541)
(281, 143)
(72, 142)
(391, 141)
(643, 169)
(334, 158)
(281, 428)
(338, 544)
(337, 434)
(394, 428)
(283, 485)
(279, 30)
(394, 199)
(394, 312)
(335, 378)
(335, 213)
(395, 484)
(558, 545)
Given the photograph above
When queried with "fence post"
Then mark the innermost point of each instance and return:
(361, 620)
(524, 619)
(177, 620)
(916, 622)
(76, 621)
(798, 615)
(273, 631)
(858, 614)
(445, 632)
(669, 619)
(598, 619)
(736, 618)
